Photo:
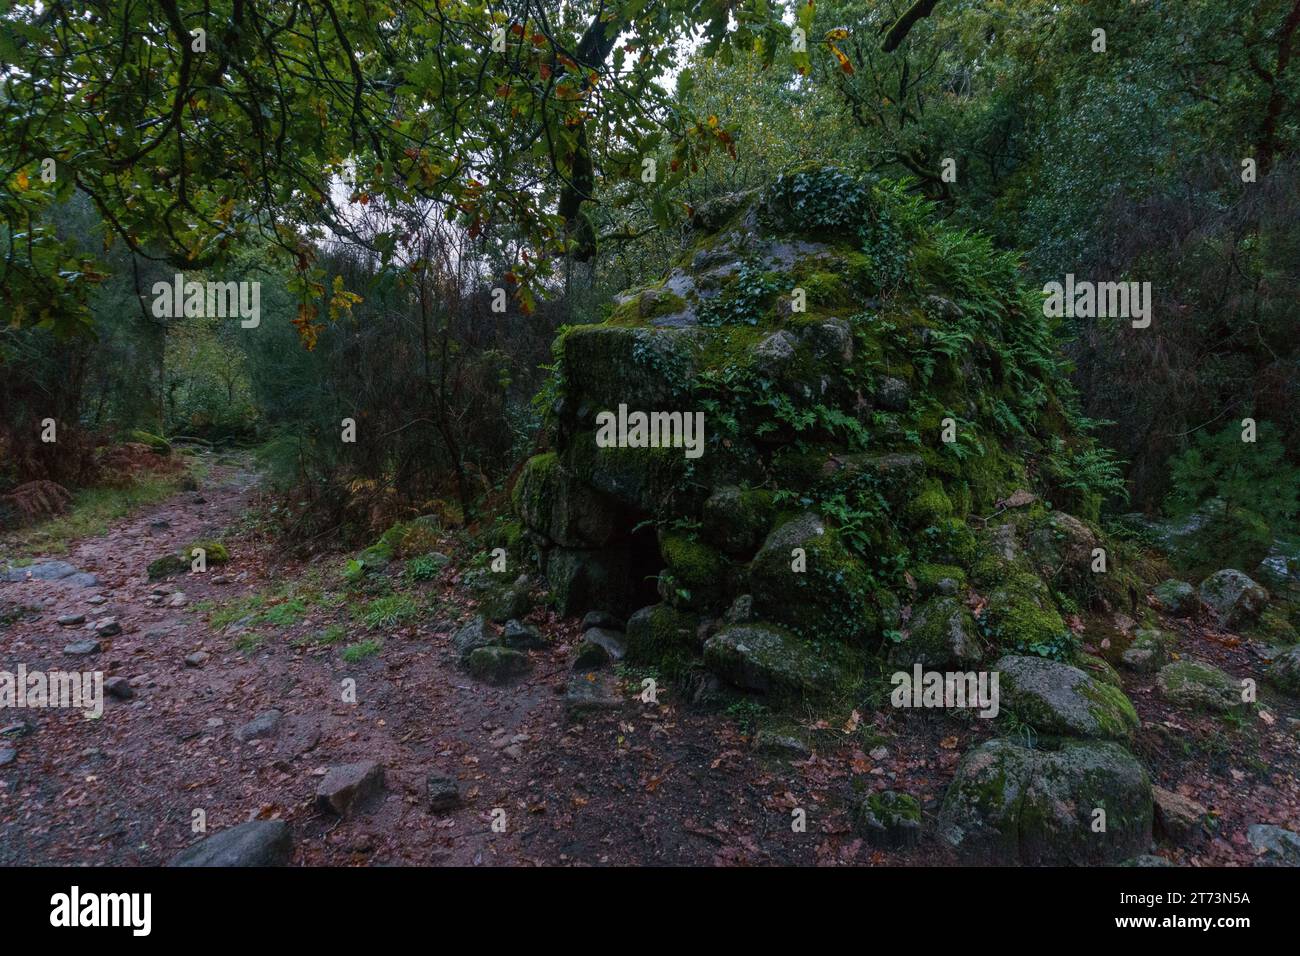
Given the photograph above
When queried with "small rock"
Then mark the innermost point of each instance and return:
(263, 725)
(890, 820)
(444, 792)
(40, 571)
(197, 659)
(592, 691)
(1235, 600)
(521, 636)
(97, 600)
(612, 643)
(1177, 598)
(256, 843)
(107, 627)
(497, 665)
(178, 600)
(602, 619)
(1179, 818)
(72, 620)
(590, 657)
(1200, 686)
(477, 633)
(7, 756)
(82, 648)
(741, 610)
(893, 395)
(345, 787)
(1274, 846)
(119, 687)
(780, 745)
(1149, 651)
(778, 349)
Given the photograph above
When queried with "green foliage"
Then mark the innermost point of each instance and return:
(749, 714)
(388, 611)
(1255, 476)
(93, 512)
(425, 567)
(361, 650)
(744, 301)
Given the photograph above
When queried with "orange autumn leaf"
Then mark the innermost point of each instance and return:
(845, 65)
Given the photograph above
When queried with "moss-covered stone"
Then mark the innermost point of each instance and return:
(662, 634)
(1060, 700)
(166, 566)
(946, 579)
(1275, 627)
(1149, 650)
(929, 506)
(1284, 671)
(1022, 618)
(214, 553)
(1199, 686)
(692, 562)
(604, 366)
(638, 478)
(1176, 597)
(582, 580)
(737, 519)
(563, 509)
(889, 820)
(1233, 598)
(1099, 668)
(805, 579)
(497, 665)
(834, 413)
(940, 633)
(1009, 804)
(771, 659)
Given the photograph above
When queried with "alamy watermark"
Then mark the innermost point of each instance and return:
(212, 300)
(922, 688)
(1099, 300)
(65, 689)
(651, 430)
(75, 908)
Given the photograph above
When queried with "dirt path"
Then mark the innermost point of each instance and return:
(647, 783)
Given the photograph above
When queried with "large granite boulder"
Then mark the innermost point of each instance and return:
(1088, 803)
(1057, 699)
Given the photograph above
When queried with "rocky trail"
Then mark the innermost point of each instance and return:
(252, 721)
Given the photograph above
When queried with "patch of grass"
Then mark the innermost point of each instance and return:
(327, 637)
(223, 615)
(361, 650)
(93, 512)
(284, 615)
(388, 611)
(281, 607)
(331, 635)
(248, 641)
(425, 567)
